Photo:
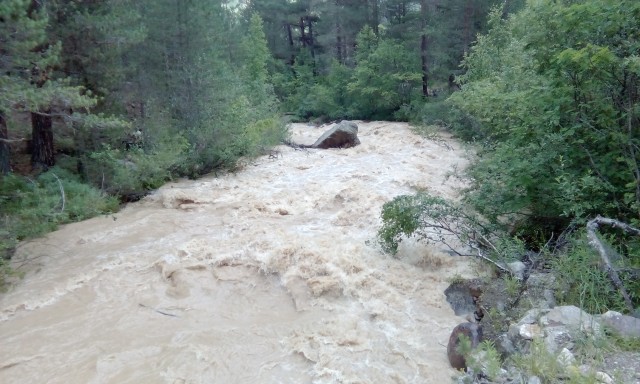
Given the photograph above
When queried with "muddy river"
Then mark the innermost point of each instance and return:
(262, 276)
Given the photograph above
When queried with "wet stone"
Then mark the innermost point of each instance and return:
(463, 296)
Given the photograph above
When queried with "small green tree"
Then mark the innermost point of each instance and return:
(27, 78)
(386, 76)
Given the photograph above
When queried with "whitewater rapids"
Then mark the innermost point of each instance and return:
(262, 276)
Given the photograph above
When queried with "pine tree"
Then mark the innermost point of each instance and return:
(26, 78)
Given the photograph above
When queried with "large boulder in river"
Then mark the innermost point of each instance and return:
(342, 135)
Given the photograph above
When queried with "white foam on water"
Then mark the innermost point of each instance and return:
(262, 276)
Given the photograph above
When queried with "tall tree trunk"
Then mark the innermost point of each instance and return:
(376, 17)
(303, 37)
(423, 48)
(468, 16)
(366, 11)
(339, 45)
(505, 9)
(292, 57)
(339, 53)
(42, 154)
(5, 153)
(311, 42)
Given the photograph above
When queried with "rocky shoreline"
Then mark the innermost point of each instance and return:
(520, 335)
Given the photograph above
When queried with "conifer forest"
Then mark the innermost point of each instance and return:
(104, 101)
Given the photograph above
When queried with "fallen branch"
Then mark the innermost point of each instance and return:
(61, 192)
(12, 140)
(157, 310)
(296, 146)
(595, 242)
(485, 258)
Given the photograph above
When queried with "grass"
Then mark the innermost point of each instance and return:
(31, 207)
(582, 282)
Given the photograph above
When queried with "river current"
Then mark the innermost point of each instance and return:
(266, 275)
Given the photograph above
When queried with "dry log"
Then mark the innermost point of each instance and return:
(595, 242)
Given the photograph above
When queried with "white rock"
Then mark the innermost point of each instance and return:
(571, 316)
(534, 380)
(517, 268)
(529, 331)
(566, 358)
(604, 378)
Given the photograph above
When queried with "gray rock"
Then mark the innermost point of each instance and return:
(342, 135)
(557, 338)
(534, 380)
(572, 317)
(504, 345)
(518, 269)
(462, 296)
(540, 290)
(529, 331)
(566, 358)
(624, 326)
(532, 316)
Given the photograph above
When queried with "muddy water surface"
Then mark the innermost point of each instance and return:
(263, 276)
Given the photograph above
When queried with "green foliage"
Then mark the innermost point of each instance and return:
(32, 207)
(256, 52)
(485, 358)
(40, 202)
(133, 172)
(223, 105)
(539, 362)
(27, 58)
(384, 79)
(629, 344)
(552, 92)
(547, 367)
(427, 218)
(94, 37)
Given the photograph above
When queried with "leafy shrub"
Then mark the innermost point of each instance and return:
(133, 172)
(427, 218)
(32, 207)
(549, 90)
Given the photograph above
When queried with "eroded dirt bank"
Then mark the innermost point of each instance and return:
(258, 277)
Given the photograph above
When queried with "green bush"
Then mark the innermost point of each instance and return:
(427, 218)
(32, 207)
(549, 91)
(131, 172)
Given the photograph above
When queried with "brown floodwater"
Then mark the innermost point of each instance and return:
(262, 276)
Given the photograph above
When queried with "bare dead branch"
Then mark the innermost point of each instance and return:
(12, 140)
(485, 258)
(614, 223)
(595, 242)
(61, 192)
(296, 146)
